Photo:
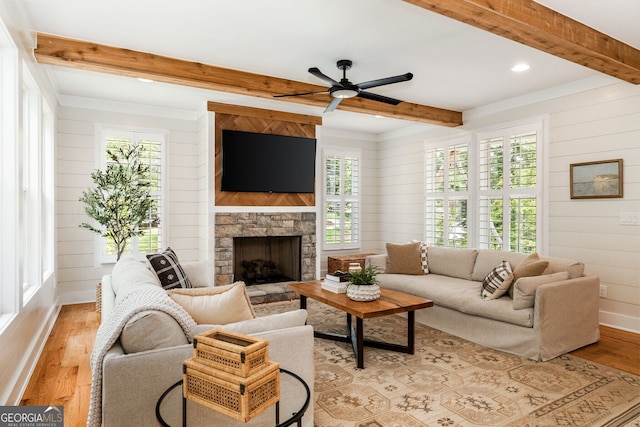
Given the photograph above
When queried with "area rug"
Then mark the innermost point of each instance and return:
(451, 382)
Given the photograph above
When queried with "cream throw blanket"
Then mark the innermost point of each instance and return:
(141, 299)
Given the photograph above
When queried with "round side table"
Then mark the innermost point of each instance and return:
(296, 417)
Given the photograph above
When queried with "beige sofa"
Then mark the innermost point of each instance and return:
(148, 355)
(553, 318)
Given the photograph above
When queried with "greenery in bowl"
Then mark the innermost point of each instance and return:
(365, 276)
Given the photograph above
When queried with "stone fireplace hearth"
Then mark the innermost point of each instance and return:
(263, 224)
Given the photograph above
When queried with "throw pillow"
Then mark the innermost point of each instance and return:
(168, 269)
(497, 281)
(423, 256)
(524, 289)
(215, 305)
(404, 258)
(530, 266)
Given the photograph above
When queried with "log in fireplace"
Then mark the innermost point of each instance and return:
(271, 259)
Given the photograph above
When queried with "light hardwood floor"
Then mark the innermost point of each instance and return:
(62, 375)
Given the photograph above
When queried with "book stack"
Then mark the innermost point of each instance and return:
(336, 282)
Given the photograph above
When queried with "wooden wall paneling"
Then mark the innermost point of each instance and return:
(260, 121)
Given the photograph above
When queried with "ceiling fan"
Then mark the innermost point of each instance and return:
(345, 89)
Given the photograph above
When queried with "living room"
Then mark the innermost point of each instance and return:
(590, 119)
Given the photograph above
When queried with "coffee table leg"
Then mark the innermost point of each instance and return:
(360, 342)
(303, 302)
(357, 339)
(411, 331)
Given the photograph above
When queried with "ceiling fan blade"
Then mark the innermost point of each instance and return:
(385, 81)
(332, 106)
(379, 98)
(316, 72)
(300, 94)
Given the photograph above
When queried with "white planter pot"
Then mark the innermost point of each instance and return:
(363, 292)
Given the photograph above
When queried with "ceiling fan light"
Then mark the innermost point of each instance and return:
(344, 93)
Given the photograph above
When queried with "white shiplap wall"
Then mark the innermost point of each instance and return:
(596, 123)
(77, 272)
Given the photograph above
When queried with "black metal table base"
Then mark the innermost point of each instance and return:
(355, 336)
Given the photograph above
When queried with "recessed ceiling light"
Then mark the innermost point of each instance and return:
(518, 68)
(142, 79)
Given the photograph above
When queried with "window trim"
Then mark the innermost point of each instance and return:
(101, 129)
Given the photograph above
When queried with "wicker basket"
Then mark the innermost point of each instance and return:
(341, 262)
(231, 352)
(99, 298)
(238, 397)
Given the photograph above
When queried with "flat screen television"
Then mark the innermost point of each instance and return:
(256, 162)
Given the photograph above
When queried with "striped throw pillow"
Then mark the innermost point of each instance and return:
(497, 282)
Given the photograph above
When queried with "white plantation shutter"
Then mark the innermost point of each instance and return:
(341, 175)
(507, 206)
(485, 194)
(447, 193)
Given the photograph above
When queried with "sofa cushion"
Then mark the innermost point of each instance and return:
(524, 289)
(168, 269)
(487, 259)
(573, 267)
(530, 266)
(288, 319)
(457, 294)
(378, 262)
(404, 258)
(199, 273)
(215, 305)
(452, 262)
(128, 271)
(149, 330)
(497, 281)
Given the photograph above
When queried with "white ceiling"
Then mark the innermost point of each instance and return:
(455, 66)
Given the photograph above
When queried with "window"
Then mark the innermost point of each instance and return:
(503, 213)
(341, 199)
(9, 178)
(31, 189)
(447, 194)
(153, 153)
(508, 190)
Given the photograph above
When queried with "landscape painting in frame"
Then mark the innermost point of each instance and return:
(593, 180)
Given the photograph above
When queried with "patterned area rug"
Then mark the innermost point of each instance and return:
(450, 382)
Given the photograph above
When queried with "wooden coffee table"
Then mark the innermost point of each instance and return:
(390, 302)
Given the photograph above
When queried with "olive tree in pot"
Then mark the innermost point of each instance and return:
(363, 285)
(121, 203)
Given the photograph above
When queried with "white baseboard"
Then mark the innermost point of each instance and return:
(31, 356)
(77, 297)
(620, 321)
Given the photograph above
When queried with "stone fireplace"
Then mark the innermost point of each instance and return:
(234, 226)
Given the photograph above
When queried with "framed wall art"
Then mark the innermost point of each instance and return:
(596, 180)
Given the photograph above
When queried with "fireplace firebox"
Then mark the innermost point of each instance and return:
(270, 259)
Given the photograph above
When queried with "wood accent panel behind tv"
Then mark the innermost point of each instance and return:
(248, 119)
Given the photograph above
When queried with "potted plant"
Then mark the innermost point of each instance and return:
(121, 203)
(363, 285)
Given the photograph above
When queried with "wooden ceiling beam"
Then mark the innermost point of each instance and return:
(537, 26)
(65, 52)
